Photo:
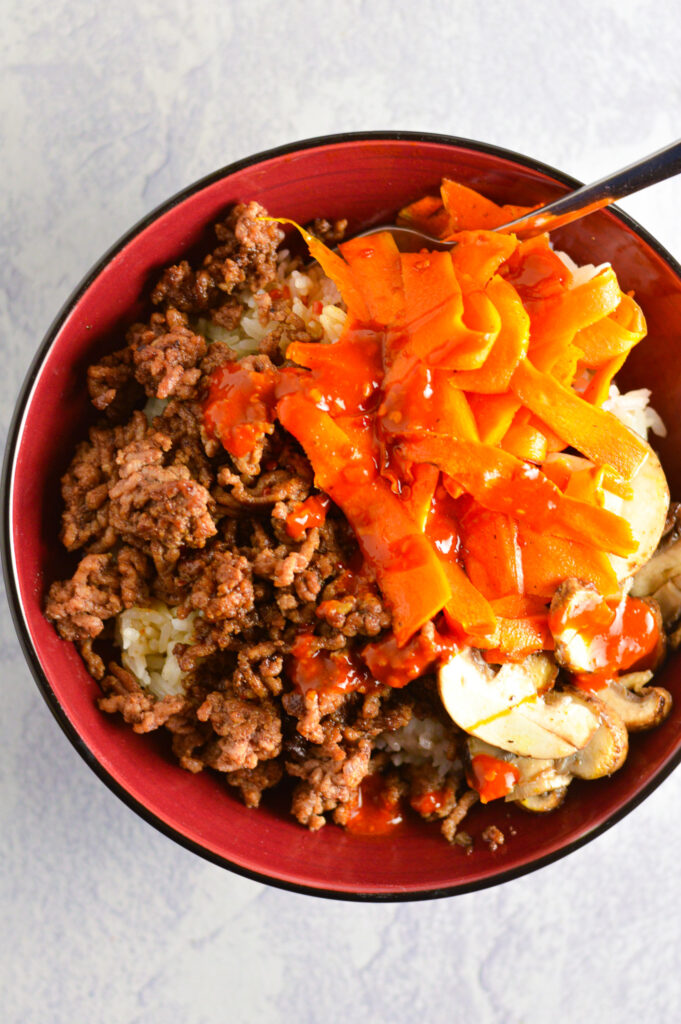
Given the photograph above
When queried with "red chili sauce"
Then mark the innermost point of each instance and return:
(376, 811)
(621, 634)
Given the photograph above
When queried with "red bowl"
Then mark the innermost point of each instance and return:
(365, 177)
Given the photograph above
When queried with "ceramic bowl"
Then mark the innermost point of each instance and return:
(365, 178)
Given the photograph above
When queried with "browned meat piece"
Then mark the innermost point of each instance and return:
(252, 782)
(79, 606)
(430, 795)
(328, 780)
(136, 572)
(246, 731)
(290, 328)
(494, 837)
(310, 708)
(182, 423)
(111, 383)
(155, 507)
(354, 606)
(228, 315)
(259, 668)
(140, 709)
(217, 355)
(221, 584)
(85, 486)
(166, 355)
(457, 814)
(245, 256)
(185, 289)
(248, 250)
(291, 481)
(330, 232)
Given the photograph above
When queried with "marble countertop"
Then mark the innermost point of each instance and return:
(104, 112)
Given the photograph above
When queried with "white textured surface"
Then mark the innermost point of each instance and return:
(105, 110)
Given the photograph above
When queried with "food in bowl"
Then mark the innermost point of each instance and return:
(346, 523)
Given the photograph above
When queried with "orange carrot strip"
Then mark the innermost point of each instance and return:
(525, 442)
(407, 566)
(509, 348)
(574, 309)
(493, 415)
(429, 215)
(335, 268)
(612, 336)
(549, 560)
(375, 265)
(445, 326)
(502, 483)
(424, 402)
(597, 434)
(518, 606)
(469, 210)
(490, 552)
(598, 388)
(345, 374)
(478, 255)
(420, 493)
(514, 639)
(467, 608)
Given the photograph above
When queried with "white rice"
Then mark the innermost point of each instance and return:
(421, 741)
(580, 275)
(146, 637)
(307, 287)
(632, 409)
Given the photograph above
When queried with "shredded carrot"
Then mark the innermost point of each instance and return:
(469, 210)
(438, 422)
(595, 433)
(375, 265)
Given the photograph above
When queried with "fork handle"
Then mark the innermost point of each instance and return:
(658, 166)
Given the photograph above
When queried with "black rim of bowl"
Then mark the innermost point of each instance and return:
(14, 435)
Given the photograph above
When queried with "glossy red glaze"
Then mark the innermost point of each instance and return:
(366, 178)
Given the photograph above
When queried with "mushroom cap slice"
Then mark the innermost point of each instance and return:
(607, 749)
(572, 604)
(506, 708)
(538, 778)
(572, 601)
(638, 710)
(646, 513)
(540, 803)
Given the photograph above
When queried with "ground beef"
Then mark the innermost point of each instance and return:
(246, 731)
(330, 232)
(457, 814)
(123, 694)
(158, 507)
(252, 782)
(85, 486)
(245, 256)
(165, 355)
(79, 606)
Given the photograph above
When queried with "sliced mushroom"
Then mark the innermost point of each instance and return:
(572, 602)
(536, 776)
(541, 803)
(607, 749)
(506, 708)
(575, 602)
(639, 710)
(646, 513)
(660, 578)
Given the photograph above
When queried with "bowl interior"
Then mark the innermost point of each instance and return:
(366, 180)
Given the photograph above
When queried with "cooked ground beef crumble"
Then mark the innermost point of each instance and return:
(158, 511)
